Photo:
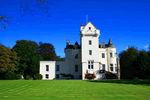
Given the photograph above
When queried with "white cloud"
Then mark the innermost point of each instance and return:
(146, 46)
(126, 48)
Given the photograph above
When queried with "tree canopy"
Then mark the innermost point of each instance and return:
(27, 51)
(9, 61)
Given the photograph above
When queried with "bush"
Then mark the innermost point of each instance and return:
(28, 77)
(136, 78)
(54, 78)
(12, 76)
(37, 76)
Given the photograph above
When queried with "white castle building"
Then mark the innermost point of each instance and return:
(90, 55)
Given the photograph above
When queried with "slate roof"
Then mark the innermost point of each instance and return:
(73, 47)
(107, 45)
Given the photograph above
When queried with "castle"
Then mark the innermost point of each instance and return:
(90, 55)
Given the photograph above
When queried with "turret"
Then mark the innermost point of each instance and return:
(82, 26)
(110, 44)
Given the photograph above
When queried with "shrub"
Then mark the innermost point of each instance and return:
(54, 78)
(12, 76)
(37, 76)
(136, 78)
(28, 77)
(89, 76)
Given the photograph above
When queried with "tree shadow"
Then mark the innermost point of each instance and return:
(134, 82)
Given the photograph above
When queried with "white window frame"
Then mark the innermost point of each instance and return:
(47, 67)
(91, 64)
(102, 55)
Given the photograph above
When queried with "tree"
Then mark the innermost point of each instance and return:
(142, 63)
(9, 61)
(47, 51)
(26, 50)
(126, 61)
(34, 67)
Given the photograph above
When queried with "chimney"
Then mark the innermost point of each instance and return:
(82, 26)
(68, 43)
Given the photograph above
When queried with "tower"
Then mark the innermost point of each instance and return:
(89, 48)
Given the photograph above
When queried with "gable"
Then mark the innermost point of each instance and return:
(89, 28)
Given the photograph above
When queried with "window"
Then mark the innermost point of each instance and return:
(103, 66)
(47, 67)
(57, 75)
(90, 42)
(90, 52)
(110, 54)
(76, 68)
(57, 67)
(102, 46)
(116, 69)
(89, 28)
(76, 56)
(103, 55)
(111, 67)
(46, 75)
(90, 65)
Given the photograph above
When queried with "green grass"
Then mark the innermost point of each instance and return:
(74, 89)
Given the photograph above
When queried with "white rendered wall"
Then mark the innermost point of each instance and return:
(51, 71)
(103, 60)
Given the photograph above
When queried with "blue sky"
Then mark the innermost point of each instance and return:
(126, 22)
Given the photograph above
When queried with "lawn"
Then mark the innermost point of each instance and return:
(74, 89)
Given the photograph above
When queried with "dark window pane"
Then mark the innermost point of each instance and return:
(103, 67)
(76, 68)
(46, 75)
(76, 56)
(47, 67)
(110, 54)
(103, 55)
(57, 67)
(88, 66)
(57, 75)
(91, 66)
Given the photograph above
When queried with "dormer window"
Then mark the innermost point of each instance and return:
(102, 46)
(89, 28)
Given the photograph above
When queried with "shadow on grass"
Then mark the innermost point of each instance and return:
(134, 82)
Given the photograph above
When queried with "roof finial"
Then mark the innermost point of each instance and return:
(86, 18)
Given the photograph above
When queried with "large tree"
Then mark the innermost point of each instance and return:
(27, 51)
(34, 66)
(9, 61)
(142, 63)
(127, 58)
(47, 51)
